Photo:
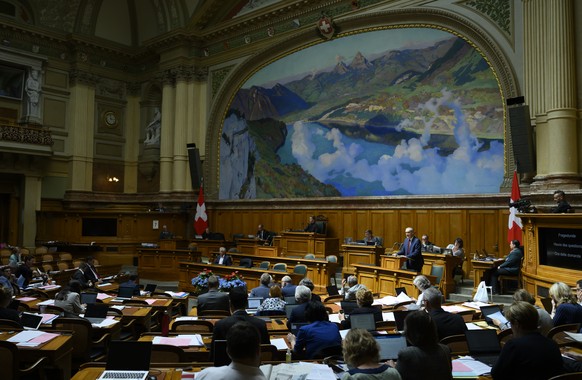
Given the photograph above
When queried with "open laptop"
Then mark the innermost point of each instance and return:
(390, 345)
(290, 300)
(363, 321)
(88, 298)
(483, 345)
(127, 360)
(399, 317)
(150, 288)
(348, 306)
(30, 321)
(124, 293)
(253, 304)
(96, 312)
(332, 290)
(492, 311)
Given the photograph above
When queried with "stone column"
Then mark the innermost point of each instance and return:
(182, 104)
(167, 133)
(81, 127)
(31, 204)
(198, 117)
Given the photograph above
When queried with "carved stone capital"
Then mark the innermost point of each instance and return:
(183, 73)
(77, 76)
(201, 74)
(133, 88)
(166, 77)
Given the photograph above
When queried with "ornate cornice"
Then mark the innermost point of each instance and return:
(77, 76)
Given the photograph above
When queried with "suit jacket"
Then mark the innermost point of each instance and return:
(297, 315)
(289, 290)
(227, 260)
(80, 276)
(448, 323)
(260, 291)
(425, 363)
(513, 261)
(213, 300)
(312, 227)
(221, 327)
(413, 254)
(264, 235)
(91, 273)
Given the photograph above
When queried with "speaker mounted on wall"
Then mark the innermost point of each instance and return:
(522, 140)
(195, 165)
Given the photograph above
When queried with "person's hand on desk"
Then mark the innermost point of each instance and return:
(291, 339)
(391, 363)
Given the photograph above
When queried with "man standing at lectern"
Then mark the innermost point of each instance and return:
(411, 249)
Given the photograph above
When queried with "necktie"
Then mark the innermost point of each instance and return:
(409, 241)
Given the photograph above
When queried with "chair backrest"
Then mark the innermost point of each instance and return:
(165, 353)
(269, 353)
(246, 262)
(10, 324)
(570, 327)
(199, 326)
(219, 313)
(47, 257)
(309, 256)
(62, 265)
(53, 309)
(77, 263)
(81, 339)
(47, 268)
(41, 250)
(568, 376)
(66, 256)
(280, 267)
(300, 269)
(9, 360)
(457, 344)
(265, 265)
(437, 271)
(331, 258)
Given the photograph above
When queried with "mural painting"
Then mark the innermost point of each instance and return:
(400, 111)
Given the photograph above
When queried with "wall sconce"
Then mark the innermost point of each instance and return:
(112, 179)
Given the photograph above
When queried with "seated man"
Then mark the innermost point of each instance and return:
(511, 265)
(131, 283)
(81, 276)
(447, 323)
(353, 286)
(213, 299)
(287, 287)
(238, 302)
(263, 289)
(243, 346)
(223, 258)
(7, 281)
(25, 270)
(302, 296)
(307, 282)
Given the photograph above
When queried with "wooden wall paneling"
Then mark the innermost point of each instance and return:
(349, 228)
(362, 223)
(407, 218)
(444, 228)
(334, 218)
(377, 223)
(423, 223)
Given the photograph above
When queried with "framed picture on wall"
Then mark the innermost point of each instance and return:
(11, 82)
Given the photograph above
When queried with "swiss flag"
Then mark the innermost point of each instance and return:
(200, 219)
(514, 225)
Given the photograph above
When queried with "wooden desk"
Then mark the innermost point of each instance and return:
(173, 244)
(207, 247)
(58, 351)
(161, 265)
(385, 281)
(319, 271)
(251, 275)
(142, 315)
(93, 373)
(449, 262)
(360, 254)
(479, 268)
(392, 262)
(302, 243)
(193, 353)
(272, 324)
(257, 248)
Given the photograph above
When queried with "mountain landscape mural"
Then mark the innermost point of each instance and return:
(421, 115)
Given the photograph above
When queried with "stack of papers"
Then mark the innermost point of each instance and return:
(475, 304)
(301, 370)
(186, 319)
(48, 318)
(103, 296)
(47, 302)
(32, 338)
(280, 343)
(177, 294)
(180, 340)
(467, 367)
(391, 300)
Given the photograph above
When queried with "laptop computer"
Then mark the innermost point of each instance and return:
(399, 317)
(150, 288)
(363, 321)
(483, 345)
(88, 298)
(332, 290)
(289, 308)
(400, 290)
(30, 321)
(124, 293)
(348, 306)
(96, 312)
(253, 304)
(493, 311)
(127, 360)
(290, 300)
(390, 345)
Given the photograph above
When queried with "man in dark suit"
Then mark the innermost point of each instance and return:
(213, 299)
(131, 283)
(81, 276)
(238, 303)
(223, 258)
(447, 323)
(91, 272)
(287, 287)
(263, 235)
(312, 226)
(302, 296)
(411, 249)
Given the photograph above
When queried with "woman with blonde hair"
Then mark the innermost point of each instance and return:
(362, 354)
(566, 309)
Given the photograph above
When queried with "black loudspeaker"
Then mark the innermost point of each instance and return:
(195, 165)
(522, 138)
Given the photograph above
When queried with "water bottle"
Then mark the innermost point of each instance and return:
(288, 356)
(165, 323)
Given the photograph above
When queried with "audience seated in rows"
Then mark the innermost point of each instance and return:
(528, 355)
(349, 292)
(274, 303)
(566, 309)
(238, 303)
(447, 324)
(319, 334)
(425, 357)
(243, 346)
(213, 299)
(362, 355)
(69, 299)
(364, 299)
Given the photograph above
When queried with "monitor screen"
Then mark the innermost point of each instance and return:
(561, 247)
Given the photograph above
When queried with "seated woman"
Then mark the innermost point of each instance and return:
(316, 336)
(5, 311)
(70, 300)
(458, 251)
(422, 283)
(362, 354)
(566, 309)
(273, 304)
(529, 354)
(425, 357)
(364, 298)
